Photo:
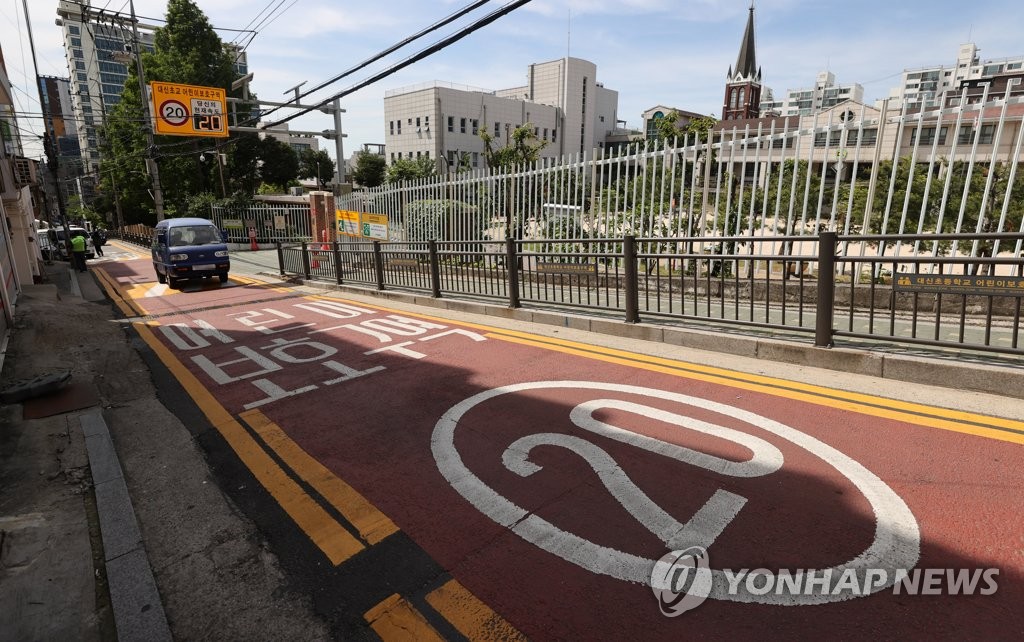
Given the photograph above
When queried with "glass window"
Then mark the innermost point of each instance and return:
(451, 123)
(398, 124)
(391, 127)
(497, 130)
(966, 136)
(426, 121)
(987, 135)
(76, 42)
(476, 159)
(82, 77)
(80, 65)
(476, 127)
(462, 125)
(74, 30)
(554, 135)
(417, 121)
(77, 53)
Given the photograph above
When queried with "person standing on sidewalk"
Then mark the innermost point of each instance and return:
(78, 251)
(97, 241)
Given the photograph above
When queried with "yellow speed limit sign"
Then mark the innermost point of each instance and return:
(189, 110)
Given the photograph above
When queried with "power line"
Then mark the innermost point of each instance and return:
(423, 53)
(434, 27)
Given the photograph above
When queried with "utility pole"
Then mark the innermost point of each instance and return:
(52, 161)
(151, 164)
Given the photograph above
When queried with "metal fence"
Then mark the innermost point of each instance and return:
(856, 170)
(273, 222)
(815, 288)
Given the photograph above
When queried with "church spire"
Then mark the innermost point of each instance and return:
(746, 62)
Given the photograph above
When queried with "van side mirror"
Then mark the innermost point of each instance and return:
(224, 236)
(161, 239)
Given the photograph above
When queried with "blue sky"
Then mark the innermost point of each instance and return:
(668, 52)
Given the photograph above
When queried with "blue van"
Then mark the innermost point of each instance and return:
(189, 248)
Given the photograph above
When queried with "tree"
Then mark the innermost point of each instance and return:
(408, 169)
(188, 51)
(316, 164)
(371, 169)
(280, 162)
(520, 150)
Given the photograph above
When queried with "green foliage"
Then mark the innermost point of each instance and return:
(522, 149)
(409, 169)
(371, 169)
(186, 50)
(280, 162)
(443, 220)
(200, 205)
(316, 164)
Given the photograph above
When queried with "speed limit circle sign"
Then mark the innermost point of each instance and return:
(174, 112)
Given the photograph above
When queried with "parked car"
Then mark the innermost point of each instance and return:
(58, 246)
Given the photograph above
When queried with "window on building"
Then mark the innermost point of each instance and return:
(80, 65)
(497, 130)
(743, 96)
(554, 135)
(451, 123)
(426, 122)
(476, 126)
(76, 42)
(545, 133)
(462, 125)
(928, 136)
(476, 159)
(74, 30)
(392, 157)
(398, 126)
(451, 159)
(417, 153)
(417, 121)
(868, 140)
(426, 154)
(82, 77)
(410, 121)
(987, 135)
(77, 53)
(391, 127)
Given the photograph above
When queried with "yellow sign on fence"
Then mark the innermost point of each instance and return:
(362, 224)
(189, 110)
(348, 222)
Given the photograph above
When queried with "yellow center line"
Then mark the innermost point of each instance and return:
(470, 616)
(946, 419)
(395, 619)
(330, 536)
(372, 524)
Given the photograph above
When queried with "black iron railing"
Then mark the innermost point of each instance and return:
(797, 284)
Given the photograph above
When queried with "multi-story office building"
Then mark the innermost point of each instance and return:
(562, 100)
(96, 43)
(298, 142)
(806, 101)
(62, 130)
(924, 87)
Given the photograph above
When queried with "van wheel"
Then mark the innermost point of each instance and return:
(223, 278)
(159, 277)
(171, 281)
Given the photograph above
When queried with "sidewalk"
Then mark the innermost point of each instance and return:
(72, 560)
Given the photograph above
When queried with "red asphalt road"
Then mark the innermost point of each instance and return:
(375, 432)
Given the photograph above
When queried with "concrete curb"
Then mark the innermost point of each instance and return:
(960, 374)
(138, 611)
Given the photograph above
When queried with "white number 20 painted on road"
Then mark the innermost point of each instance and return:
(897, 537)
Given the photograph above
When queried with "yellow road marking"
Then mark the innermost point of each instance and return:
(395, 619)
(946, 419)
(929, 416)
(372, 524)
(469, 615)
(330, 536)
(116, 294)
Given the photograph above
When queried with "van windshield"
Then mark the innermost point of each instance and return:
(193, 235)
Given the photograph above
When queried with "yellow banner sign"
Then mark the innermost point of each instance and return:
(348, 222)
(189, 110)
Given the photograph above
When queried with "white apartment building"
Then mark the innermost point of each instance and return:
(298, 142)
(924, 87)
(562, 99)
(825, 93)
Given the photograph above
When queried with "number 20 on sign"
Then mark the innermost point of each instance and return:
(189, 110)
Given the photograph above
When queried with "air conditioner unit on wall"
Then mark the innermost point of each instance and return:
(24, 172)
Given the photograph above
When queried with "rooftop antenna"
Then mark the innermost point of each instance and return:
(568, 33)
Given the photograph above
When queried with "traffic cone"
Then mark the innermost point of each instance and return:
(252, 244)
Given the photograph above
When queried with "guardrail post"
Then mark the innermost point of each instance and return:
(305, 261)
(512, 265)
(824, 315)
(632, 285)
(280, 258)
(336, 252)
(435, 270)
(378, 264)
